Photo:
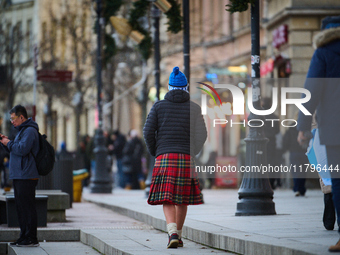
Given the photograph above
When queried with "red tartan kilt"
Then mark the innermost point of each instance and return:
(172, 183)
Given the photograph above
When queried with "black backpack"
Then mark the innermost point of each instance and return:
(46, 156)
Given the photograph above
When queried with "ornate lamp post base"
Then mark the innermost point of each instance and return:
(255, 206)
(255, 198)
(101, 180)
(255, 193)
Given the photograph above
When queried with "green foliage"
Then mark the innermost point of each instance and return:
(138, 11)
(174, 17)
(145, 46)
(238, 5)
(110, 48)
(111, 7)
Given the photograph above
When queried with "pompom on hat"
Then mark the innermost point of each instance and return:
(177, 78)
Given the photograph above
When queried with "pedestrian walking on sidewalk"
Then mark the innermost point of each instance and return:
(325, 94)
(132, 161)
(270, 131)
(297, 157)
(116, 149)
(169, 138)
(24, 173)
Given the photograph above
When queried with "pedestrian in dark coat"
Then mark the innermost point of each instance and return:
(297, 157)
(24, 173)
(270, 131)
(174, 133)
(132, 161)
(119, 141)
(325, 94)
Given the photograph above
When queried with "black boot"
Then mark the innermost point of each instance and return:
(329, 212)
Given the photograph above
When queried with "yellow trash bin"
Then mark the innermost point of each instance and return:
(78, 176)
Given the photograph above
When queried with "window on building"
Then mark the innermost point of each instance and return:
(43, 32)
(63, 38)
(83, 32)
(43, 39)
(200, 18)
(221, 13)
(2, 41)
(53, 37)
(8, 41)
(244, 19)
(83, 24)
(29, 39)
(19, 38)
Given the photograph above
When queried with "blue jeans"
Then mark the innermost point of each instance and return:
(121, 176)
(333, 158)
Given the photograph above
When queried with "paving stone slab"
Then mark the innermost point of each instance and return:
(54, 248)
(296, 229)
(140, 241)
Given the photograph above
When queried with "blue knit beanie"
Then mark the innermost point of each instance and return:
(330, 22)
(177, 78)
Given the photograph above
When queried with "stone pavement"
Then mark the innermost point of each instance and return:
(94, 230)
(55, 248)
(132, 228)
(296, 229)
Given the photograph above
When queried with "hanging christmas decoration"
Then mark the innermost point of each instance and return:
(133, 28)
(140, 9)
(238, 5)
(111, 7)
(137, 36)
(121, 25)
(175, 20)
(163, 5)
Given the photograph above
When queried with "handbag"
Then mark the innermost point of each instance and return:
(317, 156)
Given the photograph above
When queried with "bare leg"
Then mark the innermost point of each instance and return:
(170, 216)
(169, 213)
(181, 213)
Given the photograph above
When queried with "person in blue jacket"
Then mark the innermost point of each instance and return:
(325, 99)
(24, 173)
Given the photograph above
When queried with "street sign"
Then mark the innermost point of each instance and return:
(280, 36)
(54, 75)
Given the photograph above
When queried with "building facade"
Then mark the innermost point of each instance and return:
(221, 50)
(57, 35)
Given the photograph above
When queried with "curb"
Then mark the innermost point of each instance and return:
(51, 235)
(23, 251)
(218, 238)
(100, 245)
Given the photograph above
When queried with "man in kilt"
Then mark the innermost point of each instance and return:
(174, 133)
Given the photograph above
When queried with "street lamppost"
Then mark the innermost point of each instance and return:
(186, 38)
(101, 179)
(255, 193)
(155, 14)
(157, 7)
